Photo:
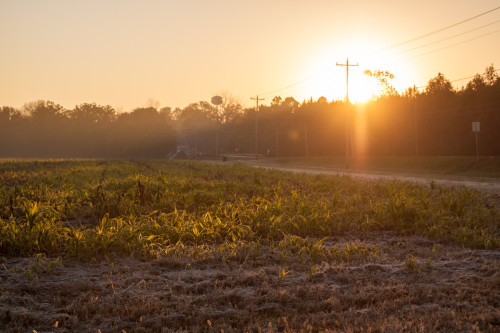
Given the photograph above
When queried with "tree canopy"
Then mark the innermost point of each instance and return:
(435, 121)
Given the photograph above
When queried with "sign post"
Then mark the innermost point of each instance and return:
(476, 128)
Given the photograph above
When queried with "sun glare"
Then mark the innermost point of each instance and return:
(362, 88)
(326, 79)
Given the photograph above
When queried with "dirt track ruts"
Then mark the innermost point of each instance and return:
(489, 185)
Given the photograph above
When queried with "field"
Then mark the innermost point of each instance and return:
(161, 246)
(444, 167)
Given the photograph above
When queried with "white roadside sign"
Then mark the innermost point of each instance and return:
(476, 126)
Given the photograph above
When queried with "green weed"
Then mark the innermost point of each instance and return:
(411, 262)
(84, 209)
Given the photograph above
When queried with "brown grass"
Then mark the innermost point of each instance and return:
(447, 289)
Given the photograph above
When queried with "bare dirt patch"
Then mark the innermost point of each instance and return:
(405, 284)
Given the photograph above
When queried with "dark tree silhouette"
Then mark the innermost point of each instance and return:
(436, 121)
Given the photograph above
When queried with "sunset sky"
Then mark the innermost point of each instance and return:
(124, 53)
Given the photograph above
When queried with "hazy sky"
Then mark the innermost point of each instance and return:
(125, 52)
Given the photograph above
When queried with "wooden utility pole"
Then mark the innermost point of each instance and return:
(196, 139)
(476, 128)
(216, 131)
(306, 141)
(348, 114)
(257, 99)
(416, 128)
(216, 100)
(276, 142)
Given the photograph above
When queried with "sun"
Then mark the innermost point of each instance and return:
(331, 83)
(325, 78)
(362, 88)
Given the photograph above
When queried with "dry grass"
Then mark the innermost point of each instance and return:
(165, 247)
(448, 289)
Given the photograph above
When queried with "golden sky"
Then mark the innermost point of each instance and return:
(124, 53)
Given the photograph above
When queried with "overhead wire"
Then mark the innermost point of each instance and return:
(439, 30)
(267, 93)
(293, 91)
(289, 91)
(446, 47)
(297, 83)
(290, 85)
(444, 39)
(461, 79)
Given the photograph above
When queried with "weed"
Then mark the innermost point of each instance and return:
(282, 274)
(86, 208)
(428, 264)
(410, 262)
(312, 271)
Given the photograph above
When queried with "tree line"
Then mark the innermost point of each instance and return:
(44, 129)
(437, 121)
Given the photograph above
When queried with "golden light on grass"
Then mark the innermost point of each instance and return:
(187, 232)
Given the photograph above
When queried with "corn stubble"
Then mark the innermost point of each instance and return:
(168, 246)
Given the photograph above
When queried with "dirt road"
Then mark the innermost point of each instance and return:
(487, 184)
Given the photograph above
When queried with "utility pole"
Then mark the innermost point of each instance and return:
(276, 142)
(196, 139)
(348, 115)
(306, 141)
(476, 128)
(257, 99)
(217, 131)
(416, 129)
(477, 150)
(216, 100)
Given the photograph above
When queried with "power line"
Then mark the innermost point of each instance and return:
(296, 87)
(424, 86)
(446, 47)
(346, 65)
(257, 99)
(461, 79)
(406, 42)
(347, 119)
(293, 84)
(470, 77)
(442, 40)
(436, 31)
(289, 86)
(417, 87)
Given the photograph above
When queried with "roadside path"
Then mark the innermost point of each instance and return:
(488, 185)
